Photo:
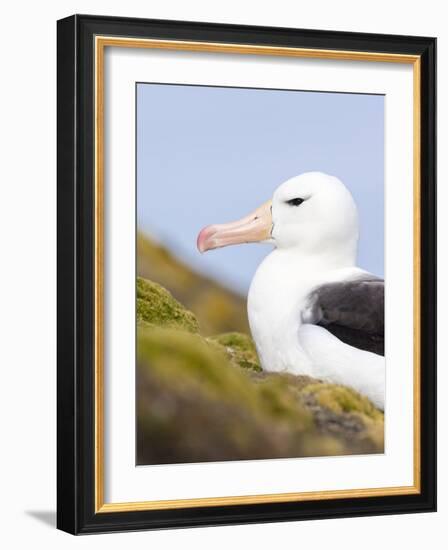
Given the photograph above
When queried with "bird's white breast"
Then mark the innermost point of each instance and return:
(277, 307)
(275, 301)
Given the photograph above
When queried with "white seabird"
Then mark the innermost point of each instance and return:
(311, 310)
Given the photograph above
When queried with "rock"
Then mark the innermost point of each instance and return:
(156, 306)
(206, 399)
(194, 405)
(217, 308)
(240, 348)
(347, 415)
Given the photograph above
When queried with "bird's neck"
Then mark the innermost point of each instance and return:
(318, 255)
(292, 271)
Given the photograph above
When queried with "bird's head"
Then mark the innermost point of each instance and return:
(312, 212)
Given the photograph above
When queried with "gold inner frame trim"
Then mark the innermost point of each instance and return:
(101, 42)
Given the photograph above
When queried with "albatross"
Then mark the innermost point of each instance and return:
(311, 309)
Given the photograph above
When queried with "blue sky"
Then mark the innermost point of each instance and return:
(209, 155)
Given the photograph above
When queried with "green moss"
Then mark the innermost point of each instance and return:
(240, 349)
(156, 306)
(205, 399)
(216, 308)
(341, 399)
(198, 405)
(186, 359)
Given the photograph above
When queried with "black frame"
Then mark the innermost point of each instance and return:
(75, 296)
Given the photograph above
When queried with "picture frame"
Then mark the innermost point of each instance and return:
(82, 41)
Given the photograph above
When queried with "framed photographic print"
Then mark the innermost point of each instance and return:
(246, 274)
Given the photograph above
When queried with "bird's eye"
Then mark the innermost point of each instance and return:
(295, 202)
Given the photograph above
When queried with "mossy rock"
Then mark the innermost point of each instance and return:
(206, 399)
(341, 399)
(241, 349)
(344, 413)
(217, 308)
(156, 306)
(195, 405)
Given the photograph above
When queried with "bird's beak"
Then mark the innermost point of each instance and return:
(256, 227)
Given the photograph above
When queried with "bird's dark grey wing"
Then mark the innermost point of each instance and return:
(353, 311)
